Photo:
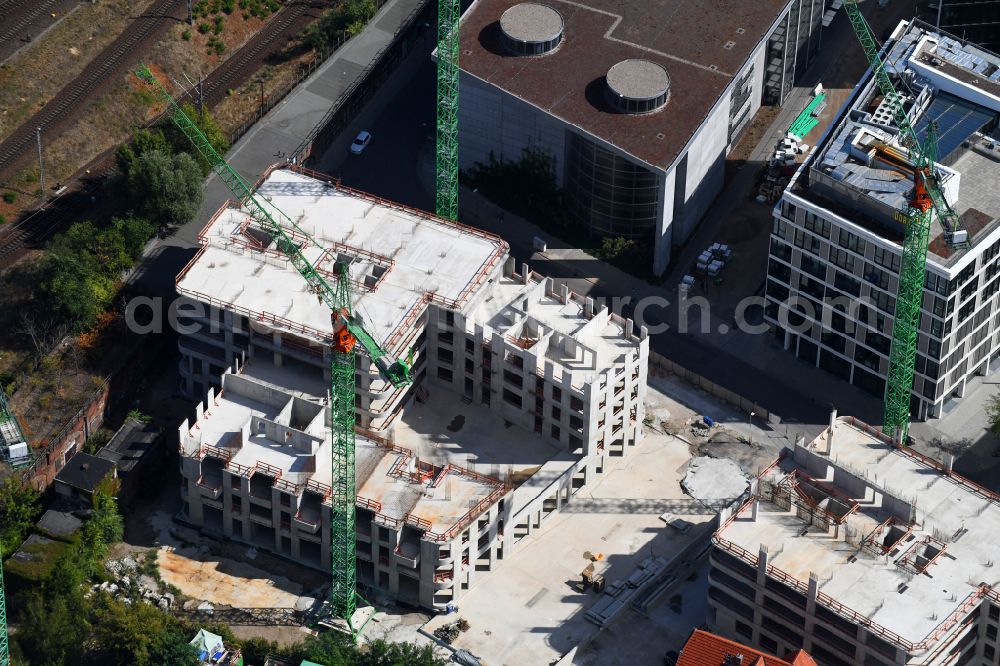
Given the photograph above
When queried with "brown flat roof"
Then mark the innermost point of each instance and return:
(687, 37)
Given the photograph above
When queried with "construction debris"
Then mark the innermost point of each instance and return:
(449, 632)
(619, 593)
(713, 479)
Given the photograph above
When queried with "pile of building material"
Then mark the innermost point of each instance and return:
(809, 118)
(618, 594)
(711, 262)
(447, 633)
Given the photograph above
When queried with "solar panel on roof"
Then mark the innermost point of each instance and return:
(957, 120)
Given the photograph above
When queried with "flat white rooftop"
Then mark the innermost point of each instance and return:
(398, 258)
(935, 535)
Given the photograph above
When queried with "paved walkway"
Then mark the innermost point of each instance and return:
(276, 136)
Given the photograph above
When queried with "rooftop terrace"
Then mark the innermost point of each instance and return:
(861, 170)
(896, 540)
(702, 45)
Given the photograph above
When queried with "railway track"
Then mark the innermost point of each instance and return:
(118, 55)
(250, 56)
(13, 24)
(32, 231)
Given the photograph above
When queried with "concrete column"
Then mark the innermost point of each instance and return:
(276, 339)
(761, 565)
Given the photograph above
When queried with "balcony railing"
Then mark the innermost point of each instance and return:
(210, 488)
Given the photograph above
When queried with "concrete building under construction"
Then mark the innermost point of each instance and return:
(861, 552)
(521, 390)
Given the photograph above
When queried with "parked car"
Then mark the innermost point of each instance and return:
(361, 142)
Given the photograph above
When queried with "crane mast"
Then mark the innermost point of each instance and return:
(926, 200)
(446, 164)
(4, 649)
(347, 332)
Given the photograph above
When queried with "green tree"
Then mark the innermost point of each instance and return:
(143, 141)
(381, 653)
(165, 189)
(138, 633)
(208, 125)
(118, 247)
(58, 625)
(18, 510)
(348, 17)
(172, 649)
(74, 285)
(329, 648)
(993, 413)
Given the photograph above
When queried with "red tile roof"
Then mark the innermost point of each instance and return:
(705, 649)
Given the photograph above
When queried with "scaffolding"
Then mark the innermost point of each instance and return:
(13, 444)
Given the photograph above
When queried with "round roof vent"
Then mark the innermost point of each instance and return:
(531, 29)
(638, 86)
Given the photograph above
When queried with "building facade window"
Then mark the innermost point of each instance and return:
(607, 194)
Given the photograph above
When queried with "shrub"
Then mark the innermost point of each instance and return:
(10, 197)
(186, 35)
(3, 219)
(217, 27)
(203, 28)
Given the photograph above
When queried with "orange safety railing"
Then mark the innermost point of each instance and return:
(238, 469)
(417, 521)
(267, 470)
(215, 452)
(370, 504)
(320, 489)
(287, 486)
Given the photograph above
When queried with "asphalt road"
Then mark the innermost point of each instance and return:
(389, 165)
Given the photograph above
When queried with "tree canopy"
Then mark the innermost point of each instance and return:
(18, 510)
(85, 264)
(165, 189)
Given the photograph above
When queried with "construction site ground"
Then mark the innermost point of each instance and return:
(531, 611)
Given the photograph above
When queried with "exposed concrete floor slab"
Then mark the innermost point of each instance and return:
(443, 429)
(530, 611)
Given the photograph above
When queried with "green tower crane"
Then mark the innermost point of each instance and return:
(4, 651)
(347, 331)
(926, 200)
(446, 162)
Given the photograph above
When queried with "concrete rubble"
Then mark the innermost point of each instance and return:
(714, 479)
(128, 585)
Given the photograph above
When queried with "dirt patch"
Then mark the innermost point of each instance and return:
(202, 576)
(35, 74)
(758, 127)
(280, 635)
